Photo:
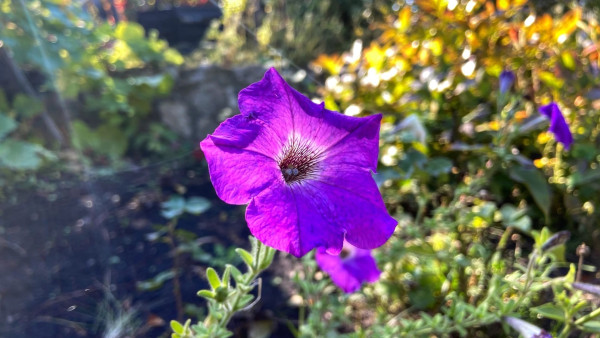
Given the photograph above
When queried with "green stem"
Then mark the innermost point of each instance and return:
(176, 268)
(261, 261)
(588, 317)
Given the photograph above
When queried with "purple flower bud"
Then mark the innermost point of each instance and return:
(558, 125)
(526, 329)
(590, 288)
(507, 78)
(558, 238)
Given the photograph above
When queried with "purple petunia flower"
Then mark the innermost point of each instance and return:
(558, 125)
(526, 329)
(304, 170)
(350, 268)
(507, 78)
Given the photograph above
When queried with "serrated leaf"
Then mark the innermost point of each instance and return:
(537, 185)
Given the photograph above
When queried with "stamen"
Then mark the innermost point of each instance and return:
(298, 160)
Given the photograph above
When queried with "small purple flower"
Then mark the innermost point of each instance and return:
(507, 78)
(305, 171)
(350, 268)
(558, 125)
(526, 329)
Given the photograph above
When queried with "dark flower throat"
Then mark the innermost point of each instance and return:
(298, 162)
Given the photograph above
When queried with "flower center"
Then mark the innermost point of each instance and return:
(298, 161)
(345, 253)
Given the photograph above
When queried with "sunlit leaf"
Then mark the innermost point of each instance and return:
(551, 80)
(404, 17)
(567, 24)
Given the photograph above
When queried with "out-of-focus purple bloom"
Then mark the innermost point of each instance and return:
(591, 288)
(558, 125)
(350, 268)
(557, 239)
(526, 329)
(304, 170)
(507, 78)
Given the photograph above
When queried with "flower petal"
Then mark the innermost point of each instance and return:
(350, 272)
(359, 148)
(333, 265)
(558, 124)
(357, 205)
(238, 174)
(290, 114)
(291, 218)
(363, 264)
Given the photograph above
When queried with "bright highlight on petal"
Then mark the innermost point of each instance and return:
(350, 268)
(305, 171)
(558, 125)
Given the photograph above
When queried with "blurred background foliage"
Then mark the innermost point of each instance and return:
(462, 166)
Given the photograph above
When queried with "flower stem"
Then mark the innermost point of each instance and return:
(588, 317)
(262, 257)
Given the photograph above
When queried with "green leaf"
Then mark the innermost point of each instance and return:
(197, 205)
(551, 311)
(156, 282)
(551, 81)
(592, 326)
(21, 155)
(438, 166)
(176, 327)
(129, 31)
(82, 137)
(246, 256)
(516, 218)
(173, 207)
(226, 275)
(245, 300)
(213, 278)
(206, 294)
(113, 142)
(27, 106)
(236, 273)
(537, 185)
(7, 125)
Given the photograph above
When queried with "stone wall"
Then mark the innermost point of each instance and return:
(203, 97)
